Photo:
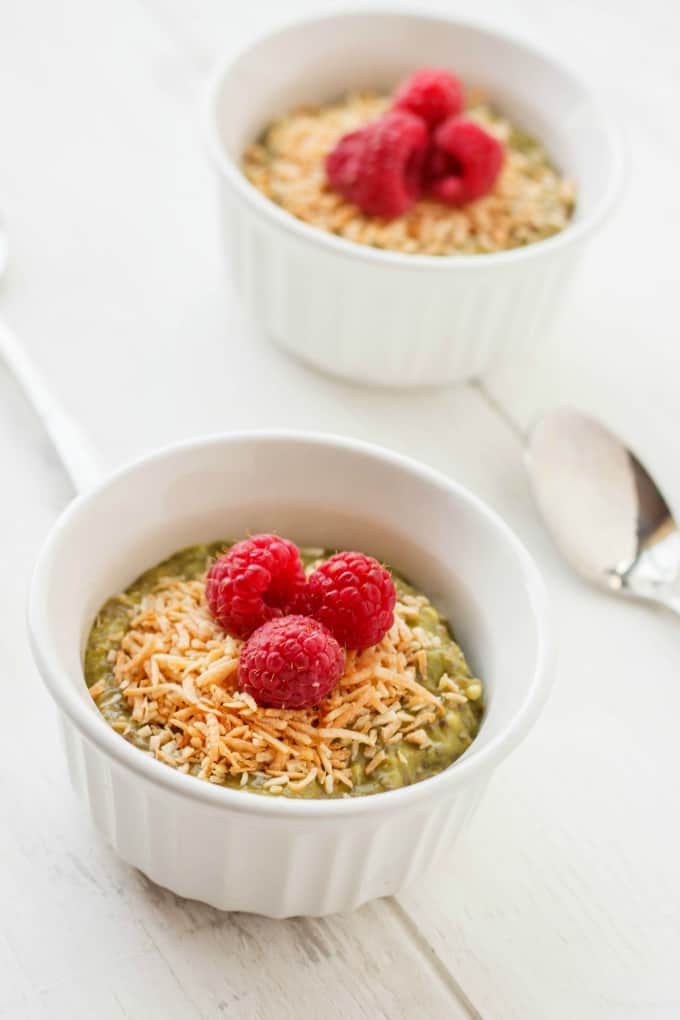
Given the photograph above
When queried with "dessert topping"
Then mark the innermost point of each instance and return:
(259, 579)
(432, 94)
(354, 596)
(463, 162)
(379, 167)
(421, 144)
(293, 662)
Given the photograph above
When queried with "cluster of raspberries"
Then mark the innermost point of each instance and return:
(296, 627)
(422, 144)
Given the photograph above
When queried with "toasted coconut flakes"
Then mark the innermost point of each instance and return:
(302, 783)
(278, 744)
(418, 737)
(212, 729)
(298, 737)
(275, 781)
(389, 716)
(98, 688)
(279, 761)
(298, 725)
(407, 681)
(387, 732)
(457, 699)
(325, 756)
(189, 689)
(142, 655)
(155, 689)
(174, 663)
(237, 744)
(352, 735)
(423, 718)
(447, 684)
(184, 713)
(176, 670)
(237, 731)
(219, 671)
(375, 762)
(248, 699)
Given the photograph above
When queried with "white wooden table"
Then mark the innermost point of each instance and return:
(561, 901)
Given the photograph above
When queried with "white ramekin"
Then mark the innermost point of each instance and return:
(238, 850)
(383, 317)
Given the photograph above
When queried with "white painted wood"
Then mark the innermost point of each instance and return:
(81, 932)
(615, 349)
(562, 899)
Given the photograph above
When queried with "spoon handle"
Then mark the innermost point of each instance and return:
(72, 446)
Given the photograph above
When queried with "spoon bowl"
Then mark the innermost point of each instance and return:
(603, 509)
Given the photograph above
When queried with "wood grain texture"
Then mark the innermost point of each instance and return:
(562, 899)
(78, 926)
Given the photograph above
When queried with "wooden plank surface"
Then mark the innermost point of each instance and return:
(562, 899)
(78, 926)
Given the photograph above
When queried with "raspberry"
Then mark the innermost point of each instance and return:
(354, 597)
(293, 662)
(257, 580)
(379, 166)
(432, 94)
(464, 161)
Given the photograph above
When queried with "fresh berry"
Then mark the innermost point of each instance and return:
(463, 162)
(259, 579)
(354, 596)
(293, 662)
(432, 94)
(379, 167)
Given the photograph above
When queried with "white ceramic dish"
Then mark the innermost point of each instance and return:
(384, 317)
(269, 855)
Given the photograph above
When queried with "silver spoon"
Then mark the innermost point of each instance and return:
(73, 448)
(602, 508)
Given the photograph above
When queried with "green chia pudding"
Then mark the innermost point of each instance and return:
(164, 674)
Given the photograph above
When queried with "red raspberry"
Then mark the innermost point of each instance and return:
(432, 94)
(379, 166)
(293, 662)
(257, 580)
(464, 161)
(354, 597)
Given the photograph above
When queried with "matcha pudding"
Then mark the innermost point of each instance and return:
(249, 665)
(428, 171)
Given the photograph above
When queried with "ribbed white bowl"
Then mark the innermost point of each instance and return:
(297, 867)
(274, 855)
(383, 317)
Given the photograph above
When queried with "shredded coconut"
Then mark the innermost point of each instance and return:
(177, 672)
